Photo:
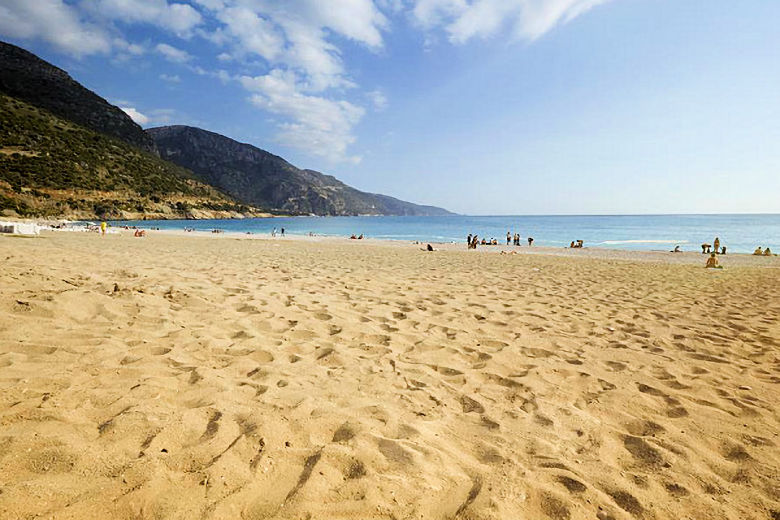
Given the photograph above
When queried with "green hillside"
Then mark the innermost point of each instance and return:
(52, 167)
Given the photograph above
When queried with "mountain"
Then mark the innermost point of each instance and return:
(67, 152)
(26, 77)
(254, 176)
(53, 167)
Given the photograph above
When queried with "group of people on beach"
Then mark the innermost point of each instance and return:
(765, 252)
(137, 232)
(576, 244)
(714, 248)
(472, 241)
(515, 239)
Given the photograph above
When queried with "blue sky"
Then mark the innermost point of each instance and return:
(479, 106)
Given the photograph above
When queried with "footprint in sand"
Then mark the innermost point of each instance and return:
(261, 356)
(554, 507)
(394, 452)
(627, 502)
(445, 371)
(303, 335)
(674, 410)
(212, 427)
(344, 433)
(51, 459)
(470, 405)
(572, 486)
(355, 470)
(642, 451)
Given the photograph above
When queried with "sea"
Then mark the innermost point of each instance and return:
(739, 233)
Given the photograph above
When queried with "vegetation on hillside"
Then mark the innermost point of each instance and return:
(52, 167)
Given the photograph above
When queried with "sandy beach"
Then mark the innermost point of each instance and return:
(215, 377)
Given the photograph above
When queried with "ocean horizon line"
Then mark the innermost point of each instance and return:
(585, 215)
(454, 214)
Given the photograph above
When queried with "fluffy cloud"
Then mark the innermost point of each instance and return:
(430, 13)
(309, 88)
(296, 39)
(170, 78)
(296, 34)
(378, 99)
(527, 19)
(157, 115)
(173, 54)
(179, 18)
(54, 22)
(312, 123)
(132, 49)
(252, 33)
(135, 115)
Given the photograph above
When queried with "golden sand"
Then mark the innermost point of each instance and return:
(173, 377)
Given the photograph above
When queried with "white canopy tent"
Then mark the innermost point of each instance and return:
(19, 228)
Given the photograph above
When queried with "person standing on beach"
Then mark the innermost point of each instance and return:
(103, 226)
(530, 241)
(282, 231)
(508, 238)
(468, 241)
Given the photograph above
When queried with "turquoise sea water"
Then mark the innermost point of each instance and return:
(740, 233)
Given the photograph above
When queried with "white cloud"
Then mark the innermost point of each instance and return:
(135, 115)
(54, 22)
(157, 115)
(430, 13)
(297, 34)
(133, 49)
(223, 76)
(527, 19)
(296, 39)
(253, 33)
(314, 124)
(179, 18)
(378, 99)
(213, 5)
(359, 20)
(172, 53)
(309, 89)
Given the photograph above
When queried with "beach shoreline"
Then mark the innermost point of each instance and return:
(662, 256)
